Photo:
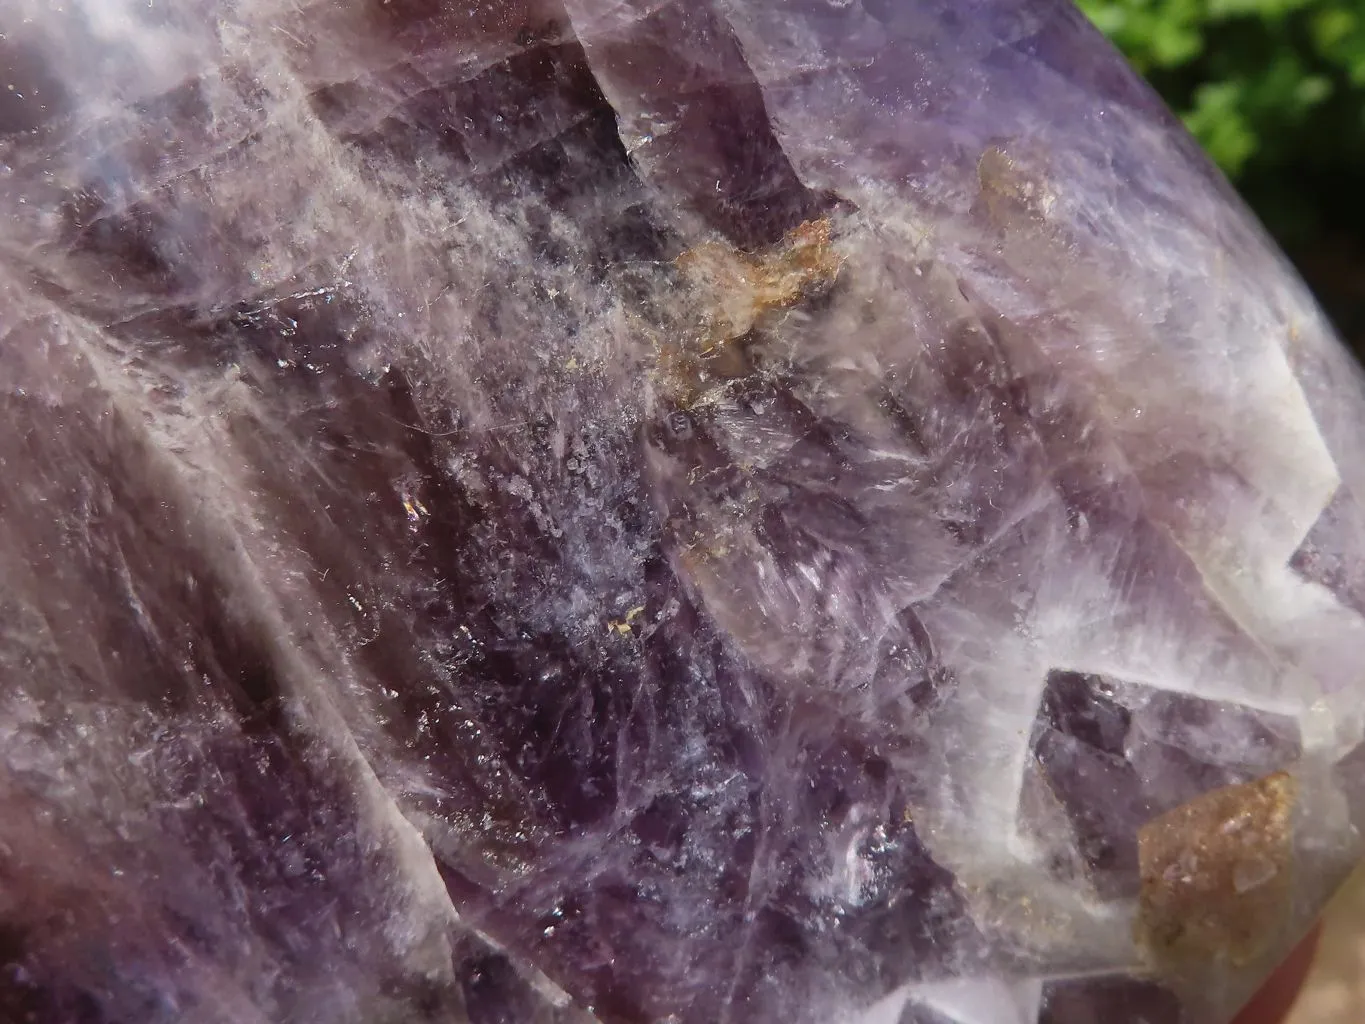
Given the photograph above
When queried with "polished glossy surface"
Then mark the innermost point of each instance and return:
(729, 511)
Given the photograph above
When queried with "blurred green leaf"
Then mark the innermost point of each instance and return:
(1275, 92)
(1331, 26)
(1174, 44)
(1217, 122)
(1259, 82)
(1312, 90)
(1273, 89)
(1266, 9)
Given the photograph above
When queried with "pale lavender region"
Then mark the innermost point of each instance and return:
(695, 512)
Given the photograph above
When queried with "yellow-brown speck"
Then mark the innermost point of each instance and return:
(746, 286)
(1008, 187)
(1216, 875)
(623, 626)
(732, 291)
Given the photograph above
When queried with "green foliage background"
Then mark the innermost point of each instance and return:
(1275, 91)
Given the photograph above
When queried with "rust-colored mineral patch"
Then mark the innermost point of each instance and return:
(1216, 875)
(729, 292)
(744, 286)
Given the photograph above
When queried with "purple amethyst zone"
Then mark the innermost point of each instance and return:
(710, 512)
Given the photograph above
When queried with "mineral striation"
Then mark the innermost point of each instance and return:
(727, 511)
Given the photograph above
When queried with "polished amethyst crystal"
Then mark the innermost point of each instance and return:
(726, 511)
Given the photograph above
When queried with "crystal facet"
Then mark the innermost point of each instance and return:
(703, 511)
